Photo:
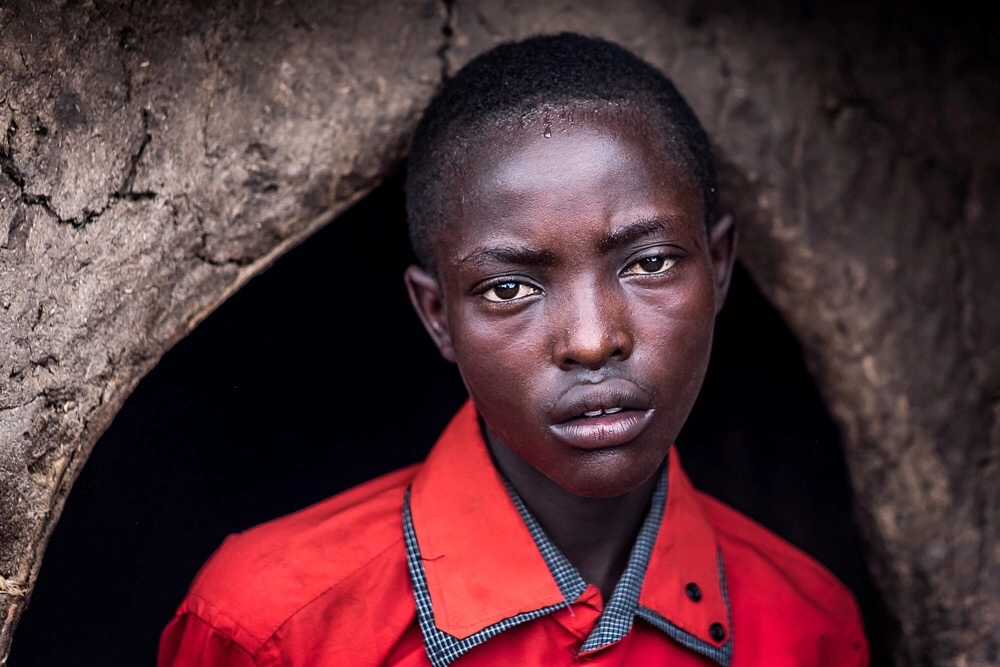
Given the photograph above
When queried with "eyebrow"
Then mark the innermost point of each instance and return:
(510, 254)
(528, 256)
(636, 230)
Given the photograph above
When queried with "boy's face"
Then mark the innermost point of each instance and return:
(577, 291)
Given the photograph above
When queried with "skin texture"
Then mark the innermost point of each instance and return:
(578, 275)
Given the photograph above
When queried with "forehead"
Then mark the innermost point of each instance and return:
(538, 133)
(571, 171)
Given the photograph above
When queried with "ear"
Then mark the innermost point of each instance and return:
(428, 300)
(722, 241)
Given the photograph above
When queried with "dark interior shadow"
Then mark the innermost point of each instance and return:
(317, 376)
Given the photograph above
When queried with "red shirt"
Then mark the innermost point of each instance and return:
(440, 564)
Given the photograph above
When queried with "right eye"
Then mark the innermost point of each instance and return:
(509, 291)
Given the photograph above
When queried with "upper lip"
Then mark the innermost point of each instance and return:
(610, 393)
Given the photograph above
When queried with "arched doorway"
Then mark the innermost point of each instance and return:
(241, 423)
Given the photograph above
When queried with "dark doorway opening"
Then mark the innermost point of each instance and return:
(317, 376)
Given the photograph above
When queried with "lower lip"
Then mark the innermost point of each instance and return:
(605, 431)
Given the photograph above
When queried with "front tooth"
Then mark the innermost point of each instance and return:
(612, 411)
(593, 413)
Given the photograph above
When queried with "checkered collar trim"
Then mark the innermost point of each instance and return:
(616, 619)
(670, 555)
(443, 648)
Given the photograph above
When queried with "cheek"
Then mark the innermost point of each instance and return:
(676, 340)
(504, 370)
(680, 356)
(497, 346)
(495, 360)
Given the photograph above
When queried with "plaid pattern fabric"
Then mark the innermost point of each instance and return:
(616, 619)
(442, 648)
(567, 577)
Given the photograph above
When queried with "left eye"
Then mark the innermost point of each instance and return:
(508, 291)
(647, 265)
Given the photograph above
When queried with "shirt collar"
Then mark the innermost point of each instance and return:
(465, 529)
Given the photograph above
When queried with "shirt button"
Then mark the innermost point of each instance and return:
(693, 592)
(717, 632)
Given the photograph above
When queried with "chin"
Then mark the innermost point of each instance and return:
(603, 474)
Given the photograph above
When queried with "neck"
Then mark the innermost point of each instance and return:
(595, 534)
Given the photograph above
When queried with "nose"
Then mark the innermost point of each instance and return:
(592, 330)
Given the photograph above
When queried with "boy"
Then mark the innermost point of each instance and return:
(562, 202)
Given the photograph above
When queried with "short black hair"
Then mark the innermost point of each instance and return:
(510, 81)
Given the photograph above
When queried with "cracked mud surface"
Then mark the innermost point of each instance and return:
(153, 159)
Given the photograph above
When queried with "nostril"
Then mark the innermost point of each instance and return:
(595, 359)
(590, 337)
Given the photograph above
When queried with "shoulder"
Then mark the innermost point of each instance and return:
(305, 571)
(749, 547)
(781, 596)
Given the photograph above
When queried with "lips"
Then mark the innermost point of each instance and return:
(595, 416)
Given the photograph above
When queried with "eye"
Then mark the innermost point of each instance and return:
(509, 291)
(650, 265)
